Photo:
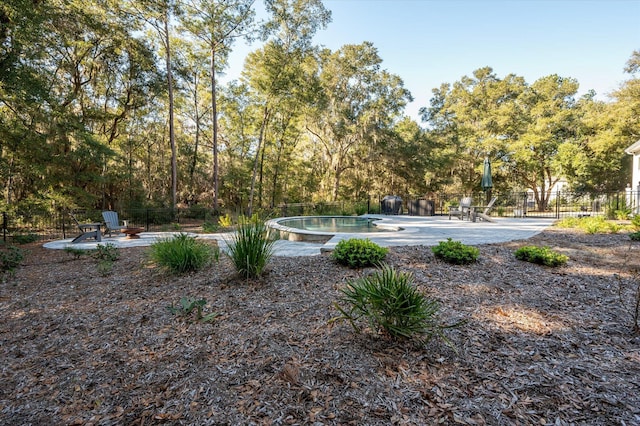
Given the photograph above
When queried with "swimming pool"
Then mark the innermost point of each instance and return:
(322, 228)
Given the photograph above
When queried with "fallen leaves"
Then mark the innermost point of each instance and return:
(540, 346)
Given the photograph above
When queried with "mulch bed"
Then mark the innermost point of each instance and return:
(540, 345)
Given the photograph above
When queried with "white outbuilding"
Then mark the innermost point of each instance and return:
(633, 190)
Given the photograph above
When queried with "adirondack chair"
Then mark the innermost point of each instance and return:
(87, 230)
(463, 210)
(111, 221)
(486, 211)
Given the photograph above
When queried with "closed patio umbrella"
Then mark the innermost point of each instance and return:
(487, 183)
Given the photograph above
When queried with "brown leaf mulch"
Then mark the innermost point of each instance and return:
(540, 345)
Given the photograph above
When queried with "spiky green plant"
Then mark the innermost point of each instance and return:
(182, 253)
(389, 301)
(250, 248)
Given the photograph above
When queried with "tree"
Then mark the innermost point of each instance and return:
(359, 102)
(217, 24)
(273, 72)
(595, 160)
(549, 120)
(65, 98)
(470, 119)
(159, 15)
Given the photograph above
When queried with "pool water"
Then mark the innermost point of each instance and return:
(348, 224)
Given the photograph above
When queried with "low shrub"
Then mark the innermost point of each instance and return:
(455, 252)
(250, 248)
(635, 222)
(75, 252)
(210, 227)
(356, 253)
(182, 253)
(190, 305)
(541, 255)
(388, 301)
(635, 236)
(106, 252)
(10, 258)
(25, 238)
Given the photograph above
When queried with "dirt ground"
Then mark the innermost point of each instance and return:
(80, 345)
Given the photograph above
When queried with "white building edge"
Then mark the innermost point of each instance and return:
(633, 189)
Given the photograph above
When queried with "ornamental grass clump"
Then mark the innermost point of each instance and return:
(357, 253)
(541, 256)
(389, 301)
(182, 253)
(455, 252)
(250, 248)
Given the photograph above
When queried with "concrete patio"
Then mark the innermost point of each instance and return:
(416, 230)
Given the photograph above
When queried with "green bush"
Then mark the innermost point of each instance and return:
(182, 253)
(455, 252)
(10, 258)
(25, 238)
(635, 222)
(541, 255)
(635, 236)
(209, 227)
(250, 248)
(106, 252)
(388, 301)
(75, 252)
(356, 253)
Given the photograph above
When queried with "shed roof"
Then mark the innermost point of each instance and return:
(633, 149)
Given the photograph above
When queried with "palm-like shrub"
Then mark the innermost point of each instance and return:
(182, 253)
(357, 252)
(388, 301)
(250, 248)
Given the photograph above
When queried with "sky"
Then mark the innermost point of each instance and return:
(431, 42)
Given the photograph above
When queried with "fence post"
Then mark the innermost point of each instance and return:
(558, 205)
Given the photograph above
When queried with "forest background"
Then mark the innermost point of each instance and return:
(110, 104)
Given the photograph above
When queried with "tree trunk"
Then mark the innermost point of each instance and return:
(265, 118)
(276, 175)
(172, 138)
(214, 120)
(194, 158)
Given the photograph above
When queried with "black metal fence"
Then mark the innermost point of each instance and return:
(49, 226)
(45, 225)
(512, 204)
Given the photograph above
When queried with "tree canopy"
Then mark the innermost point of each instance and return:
(107, 104)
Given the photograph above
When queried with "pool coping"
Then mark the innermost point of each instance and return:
(289, 233)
